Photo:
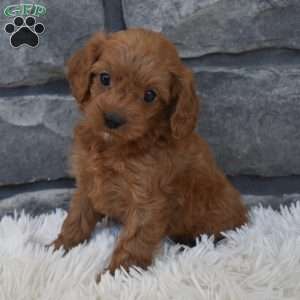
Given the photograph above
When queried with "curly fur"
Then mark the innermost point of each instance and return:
(154, 174)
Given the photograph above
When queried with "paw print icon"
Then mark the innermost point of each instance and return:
(24, 32)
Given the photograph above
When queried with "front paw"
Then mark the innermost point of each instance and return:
(128, 260)
(125, 260)
(113, 266)
(57, 244)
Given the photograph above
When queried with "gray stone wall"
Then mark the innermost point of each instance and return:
(246, 60)
(37, 112)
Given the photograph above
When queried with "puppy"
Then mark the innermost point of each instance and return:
(136, 157)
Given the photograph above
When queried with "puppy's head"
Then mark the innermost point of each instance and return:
(132, 82)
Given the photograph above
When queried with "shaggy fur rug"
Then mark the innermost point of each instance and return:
(259, 261)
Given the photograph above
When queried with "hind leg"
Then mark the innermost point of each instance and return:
(211, 205)
(219, 208)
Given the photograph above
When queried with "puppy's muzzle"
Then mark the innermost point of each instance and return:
(113, 120)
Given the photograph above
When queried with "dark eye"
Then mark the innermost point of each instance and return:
(105, 79)
(149, 96)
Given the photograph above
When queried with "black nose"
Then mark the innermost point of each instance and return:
(113, 120)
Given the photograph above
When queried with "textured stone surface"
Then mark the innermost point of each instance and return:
(37, 202)
(43, 201)
(114, 20)
(12, 190)
(250, 117)
(256, 185)
(200, 27)
(68, 24)
(250, 112)
(35, 135)
(251, 107)
(271, 200)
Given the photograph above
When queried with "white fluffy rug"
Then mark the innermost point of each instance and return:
(260, 261)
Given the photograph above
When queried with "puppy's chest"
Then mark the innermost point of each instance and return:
(120, 184)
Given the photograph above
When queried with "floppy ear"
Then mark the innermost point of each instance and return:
(79, 67)
(185, 114)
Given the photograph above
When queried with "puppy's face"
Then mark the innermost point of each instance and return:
(131, 83)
